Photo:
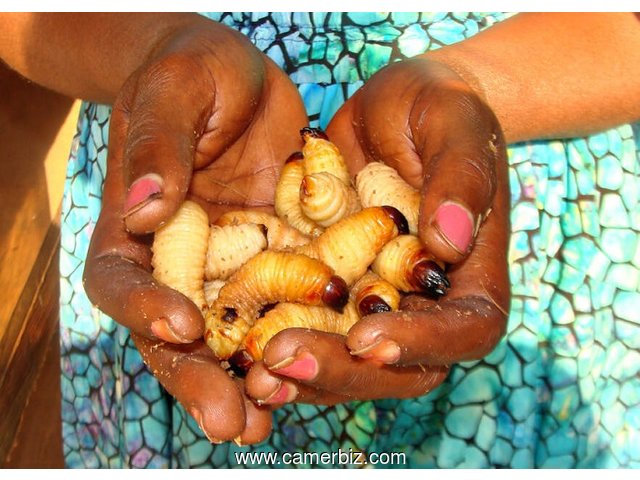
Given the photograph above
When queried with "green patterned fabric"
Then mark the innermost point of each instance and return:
(560, 390)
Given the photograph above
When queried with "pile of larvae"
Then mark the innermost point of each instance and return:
(335, 251)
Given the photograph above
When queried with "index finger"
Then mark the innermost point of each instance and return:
(192, 375)
(464, 325)
(117, 275)
(439, 136)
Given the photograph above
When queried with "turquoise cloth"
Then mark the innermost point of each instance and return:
(560, 390)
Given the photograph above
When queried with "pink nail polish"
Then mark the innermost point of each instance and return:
(456, 225)
(142, 190)
(304, 367)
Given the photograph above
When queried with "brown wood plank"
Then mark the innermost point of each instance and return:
(38, 442)
(36, 129)
(27, 355)
(30, 120)
(27, 301)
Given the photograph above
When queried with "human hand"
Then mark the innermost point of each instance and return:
(210, 118)
(421, 118)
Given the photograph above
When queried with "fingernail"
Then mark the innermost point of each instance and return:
(303, 366)
(383, 350)
(141, 192)
(456, 225)
(161, 329)
(284, 393)
(197, 416)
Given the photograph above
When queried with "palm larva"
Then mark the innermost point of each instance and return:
(291, 315)
(379, 184)
(212, 290)
(325, 199)
(179, 252)
(321, 155)
(372, 294)
(231, 246)
(350, 245)
(269, 277)
(287, 198)
(280, 236)
(406, 264)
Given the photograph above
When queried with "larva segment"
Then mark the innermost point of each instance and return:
(269, 277)
(373, 294)
(379, 184)
(406, 264)
(321, 155)
(293, 315)
(231, 246)
(325, 199)
(179, 252)
(352, 244)
(280, 236)
(287, 199)
(212, 290)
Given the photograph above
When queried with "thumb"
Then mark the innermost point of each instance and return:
(440, 137)
(460, 152)
(178, 122)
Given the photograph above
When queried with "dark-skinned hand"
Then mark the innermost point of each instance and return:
(421, 118)
(210, 118)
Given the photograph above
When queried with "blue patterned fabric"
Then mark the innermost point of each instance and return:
(561, 390)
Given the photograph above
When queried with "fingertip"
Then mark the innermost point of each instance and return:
(161, 328)
(449, 232)
(188, 322)
(178, 330)
(165, 314)
(150, 202)
(266, 388)
(283, 345)
(192, 375)
(304, 366)
(259, 383)
(259, 424)
(142, 191)
(218, 407)
(368, 339)
(199, 417)
(456, 225)
(381, 350)
(151, 215)
(220, 424)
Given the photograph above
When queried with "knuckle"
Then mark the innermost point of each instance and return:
(468, 105)
(357, 383)
(427, 380)
(480, 171)
(169, 71)
(493, 325)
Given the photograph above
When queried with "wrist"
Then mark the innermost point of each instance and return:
(219, 46)
(553, 75)
(456, 61)
(493, 82)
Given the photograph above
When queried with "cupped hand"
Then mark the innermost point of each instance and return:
(421, 118)
(210, 118)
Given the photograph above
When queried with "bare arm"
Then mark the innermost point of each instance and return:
(197, 111)
(554, 74)
(85, 55)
